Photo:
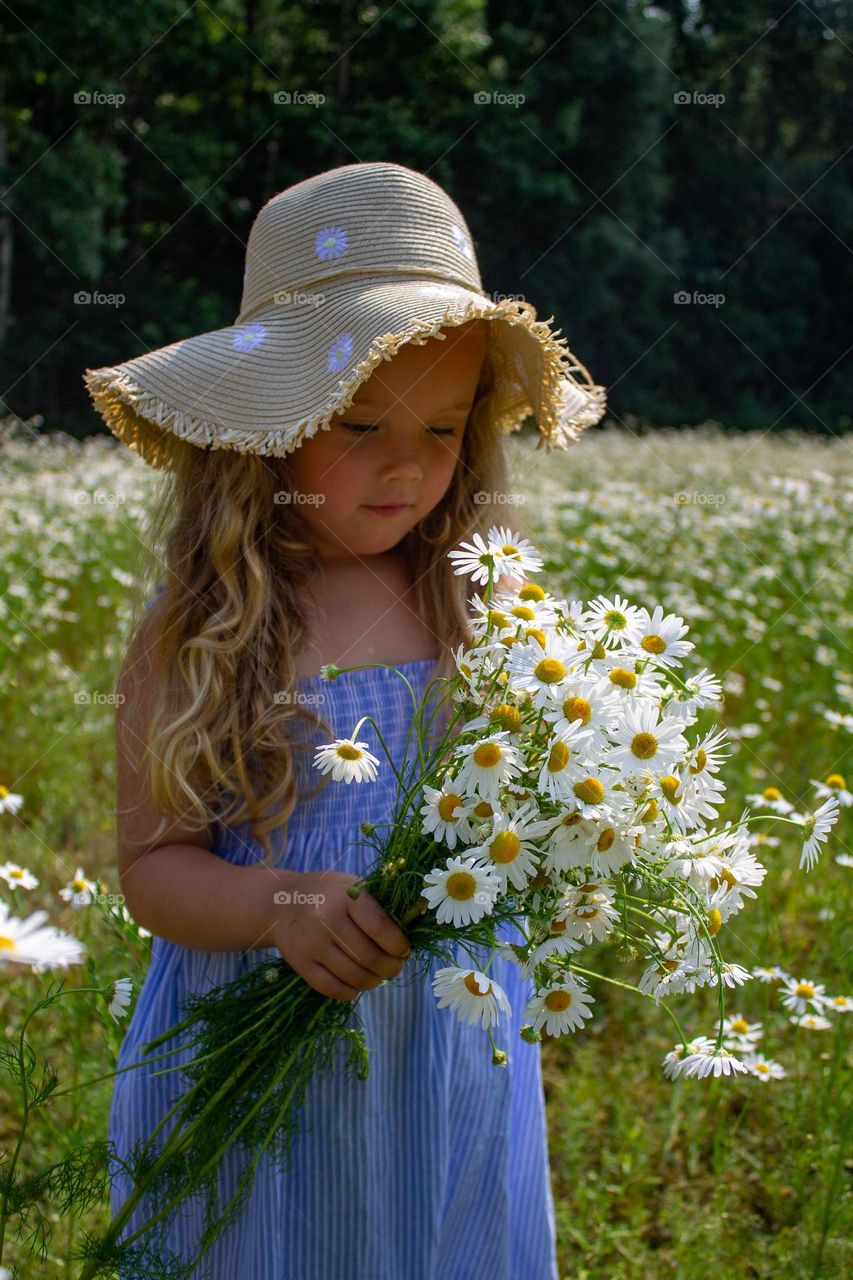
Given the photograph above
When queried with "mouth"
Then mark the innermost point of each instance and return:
(392, 509)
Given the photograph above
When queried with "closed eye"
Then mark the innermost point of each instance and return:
(362, 427)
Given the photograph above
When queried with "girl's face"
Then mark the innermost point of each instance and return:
(398, 442)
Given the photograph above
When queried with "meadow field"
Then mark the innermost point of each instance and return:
(746, 537)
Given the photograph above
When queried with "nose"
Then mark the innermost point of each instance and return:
(401, 465)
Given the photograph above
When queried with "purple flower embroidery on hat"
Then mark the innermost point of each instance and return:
(331, 242)
(340, 352)
(249, 337)
(463, 241)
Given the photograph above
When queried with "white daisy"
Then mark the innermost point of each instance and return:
(731, 975)
(540, 668)
(32, 942)
(463, 892)
(673, 1062)
(487, 765)
(658, 637)
(717, 1062)
(816, 828)
(771, 798)
(798, 994)
(612, 621)
(645, 740)
(553, 948)
(833, 785)
(763, 1068)
(588, 911)
(446, 816)
(348, 761)
(476, 559)
(774, 974)
(18, 877)
(10, 802)
(810, 1021)
(705, 690)
(839, 1004)
(515, 555)
(471, 995)
(559, 1007)
(738, 1028)
(118, 997)
(566, 760)
(79, 890)
(508, 849)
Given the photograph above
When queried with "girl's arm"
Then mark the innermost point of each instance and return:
(173, 884)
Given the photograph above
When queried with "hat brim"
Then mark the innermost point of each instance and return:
(269, 383)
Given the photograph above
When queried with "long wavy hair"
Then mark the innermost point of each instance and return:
(236, 575)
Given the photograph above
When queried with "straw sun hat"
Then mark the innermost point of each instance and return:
(341, 270)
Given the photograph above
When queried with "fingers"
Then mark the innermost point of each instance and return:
(364, 961)
(378, 925)
(322, 980)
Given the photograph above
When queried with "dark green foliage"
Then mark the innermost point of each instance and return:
(598, 197)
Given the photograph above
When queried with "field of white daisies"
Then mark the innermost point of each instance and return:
(744, 537)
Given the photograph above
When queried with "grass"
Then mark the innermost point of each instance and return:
(747, 538)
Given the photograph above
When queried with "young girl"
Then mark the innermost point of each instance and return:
(325, 453)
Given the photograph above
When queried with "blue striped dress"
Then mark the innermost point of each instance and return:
(436, 1166)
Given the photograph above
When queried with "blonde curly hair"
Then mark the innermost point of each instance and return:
(234, 611)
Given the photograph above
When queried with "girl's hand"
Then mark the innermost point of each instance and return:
(338, 944)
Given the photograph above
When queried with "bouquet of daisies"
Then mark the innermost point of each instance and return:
(569, 797)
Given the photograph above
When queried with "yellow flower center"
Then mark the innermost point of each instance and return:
(577, 709)
(559, 926)
(669, 786)
(505, 847)
(79, 883)
(487, 755)
(653, 644)
(461, 886)
(16, 873)
(535, 633)
(701, 761)
(772, 793)
(531, 591)
(470, 982)
(505, 716)
(510, 552)
(740, 1025)
(496, 618)
(557, 1001)
(558, 757)
(348, 752)
(614, 620)
(805, 989)
(589, 790)
(448, 805)
(4, 791)
(570, 819)
(7, 944)
(549, 671)
(715, 922)
(836, 781)
(524, 612)
(624, 679)
(644, 745)
(762, 1066)
(483, 809)
(605, 840)
(650, 812)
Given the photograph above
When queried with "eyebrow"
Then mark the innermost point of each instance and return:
(375, 408)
